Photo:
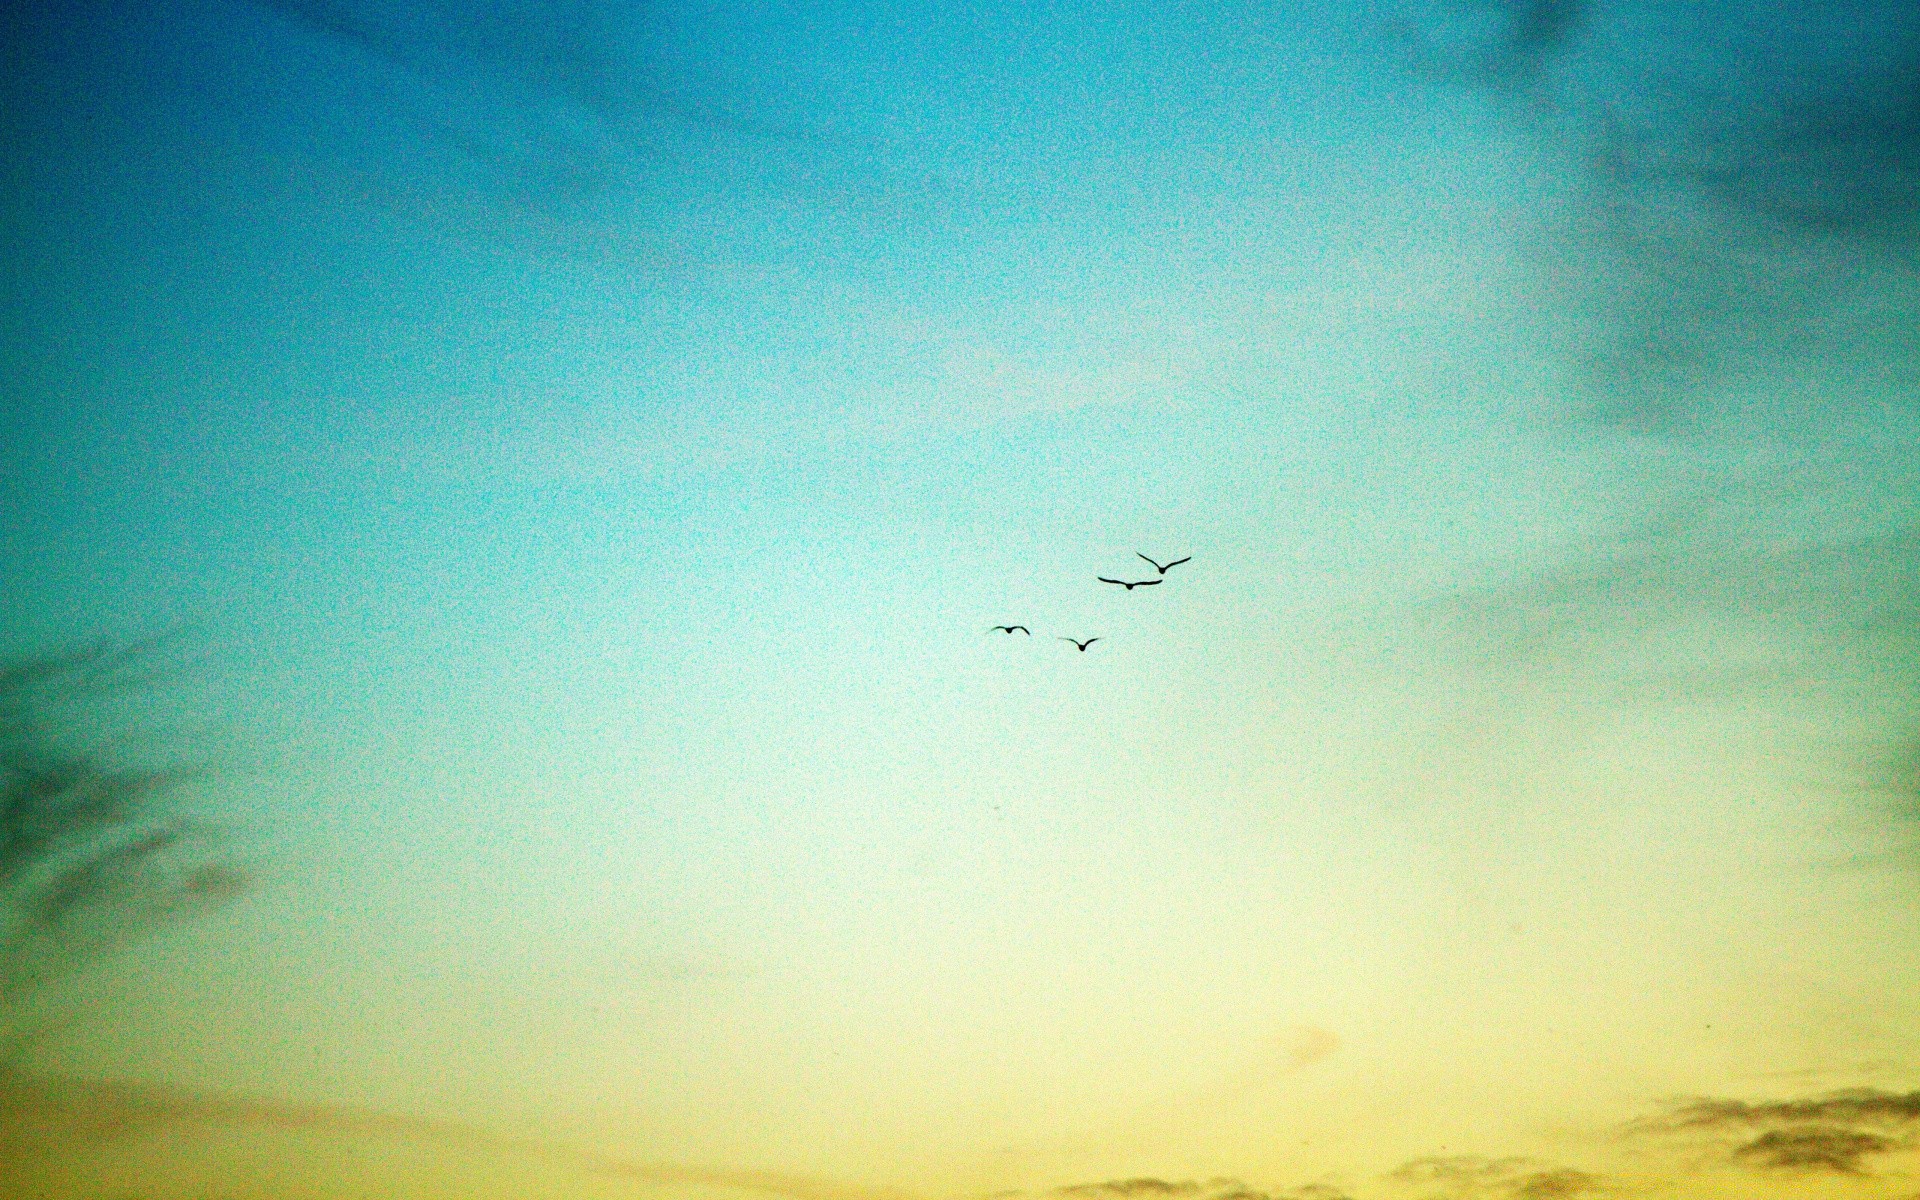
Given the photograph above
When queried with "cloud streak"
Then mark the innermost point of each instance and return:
(1221, 1188)
(561, 116)
(1514, 1178)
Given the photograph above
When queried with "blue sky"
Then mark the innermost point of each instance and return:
(582, 449)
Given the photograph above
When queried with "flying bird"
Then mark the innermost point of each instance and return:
(1129, 586)
(1010, 629)
(1163, 570)
(1080, 645)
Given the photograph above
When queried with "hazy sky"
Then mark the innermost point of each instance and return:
(581, 449)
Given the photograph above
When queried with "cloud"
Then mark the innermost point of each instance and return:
(563, 49)
(1854, 1105)
(1738, 179)
(552, 117)
(1834, 1132)
(1814, 1149)
(1841, 158)
(1457, 1169)
(1500, 43)
(1512, 1178)
(1221, 1188)
(1306, 1045)
(1131, 1187)
(42, 1118)
(1714, 551)
(1554, 1184)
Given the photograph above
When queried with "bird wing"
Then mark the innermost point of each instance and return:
(1156, 566)
(1088, 642)
(1176, 562)
(1104, 579)
(1021, 628)
(1146, 583)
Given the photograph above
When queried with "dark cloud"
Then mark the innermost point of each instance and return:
(93, 855)
(1855, 1106)
(1555, 1184)
(1735, 175)
(1835, 1132)
(1813, 1148)
(1838, 157)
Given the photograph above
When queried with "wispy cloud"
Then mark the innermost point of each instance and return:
(1514, 1178)
(555, 118)
(1306, 1045)
(1466, 1177)
(1221, 1188)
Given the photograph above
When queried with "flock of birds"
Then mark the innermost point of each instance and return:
(1128, 584)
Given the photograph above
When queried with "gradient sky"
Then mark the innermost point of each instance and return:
(581, 448)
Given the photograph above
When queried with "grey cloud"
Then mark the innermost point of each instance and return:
(1839, 1150)
(1841, 158)
(1858, 1105)
(1556, 1185)
(1836, 1132)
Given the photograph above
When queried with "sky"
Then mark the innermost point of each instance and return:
(563, 461)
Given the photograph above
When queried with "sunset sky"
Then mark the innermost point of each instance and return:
(572, 454)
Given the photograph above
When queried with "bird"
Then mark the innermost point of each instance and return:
(1163, 570)
(1080, 645)
(1129, 586)
(1010, 629)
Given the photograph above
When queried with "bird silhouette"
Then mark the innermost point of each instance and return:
(1129, 586)
(1163, 570)
(1010, 629)
(1080, 645)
